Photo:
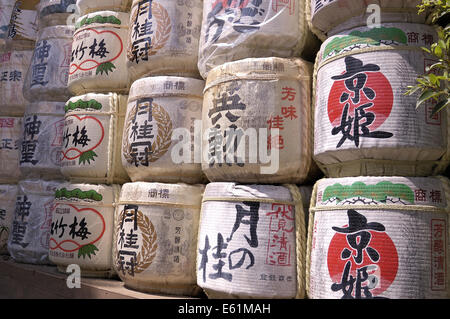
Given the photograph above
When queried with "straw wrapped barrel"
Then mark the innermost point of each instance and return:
(88, 210)
(92, 139)
(29, 239)
(162, 221)
(6, 8)
(23, 25)
(163, 38)
(159, 142)
(42, 138)
(252, 242)
(365, 124)
(99, 54)
(10, 135)
(47, 75)
(8, 194)
(379, 237)
(13, 69)
(256, 121)
(328, 18)
(233, 30)
(55, 12)
(89, 6)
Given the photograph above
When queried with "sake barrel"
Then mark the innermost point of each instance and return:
(55, 12)
(92, 138)
(331, 17)
(253, 29)
(10, 131)
(251, 242)
(158, 108)
(13, 69)
(99, 54)
(28, 241)
(6, 8)
(82, 228)
(256, 121)
(365, 124)
(48, 72)
(379, 237)
(8, 194)
(163, 38)
(89, 6)
(23, 26)
(42, 139)
(155, 238)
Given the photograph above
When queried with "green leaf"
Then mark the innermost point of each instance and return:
(87, 250)
(105, 67)
(439, 106)
(87, 156)
(426, 95)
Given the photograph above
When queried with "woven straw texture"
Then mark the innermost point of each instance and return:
(89, 6)
(164, 219)
(157, 108)
(384, 237)
(8, 194)
(257, 252)
(170, 46)
(92, 139)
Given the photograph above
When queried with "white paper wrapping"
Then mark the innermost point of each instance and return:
(253, 29)
(89, 6)
(155, 237)
(42, 138)
(379, 237)
(13, 69)
(47, 75)
(255, 97)
(331, 17)
(92, 139)
(370, 126)
(157, 108)
(29, 239)
(99, 54)
(10, 131)
(8, 194)
(23, 25)
(6, 8)
(55, 12)
(163, 38)
(82, 228)
(248, 248)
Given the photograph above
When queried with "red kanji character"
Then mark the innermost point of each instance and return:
(289, 112)
(276, 122)
(276, 141)
(288, 94)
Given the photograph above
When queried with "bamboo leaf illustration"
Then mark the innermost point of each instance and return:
(87, 250)
(105, 67)
(87, 156)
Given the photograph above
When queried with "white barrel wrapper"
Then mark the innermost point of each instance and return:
(8, 195)
(10, 135)
(157, 108)
(379, 237)
(233, 30)
(29, 239)
(13, 69)
(99, 54)
(155, 238)
(163, 38)
(42, 139)
(6, 8)
(82, 228)
(47, 75)
(92, 139)
(256, 97)
(89, 6)
(251, 242)
(55, 12)
(23, 25)
(365, 124)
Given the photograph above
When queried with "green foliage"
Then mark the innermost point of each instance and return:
(87, 157)
(77, 193)
(80, 104)
(105, 67)
(87, 250)
(434, 86)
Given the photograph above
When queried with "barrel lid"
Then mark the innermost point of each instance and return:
(161, 193)
(233, 191)
(166, 85)
(87, 194)
(103, 19)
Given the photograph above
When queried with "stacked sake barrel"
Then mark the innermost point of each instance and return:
(161, 150)
(380, 207)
